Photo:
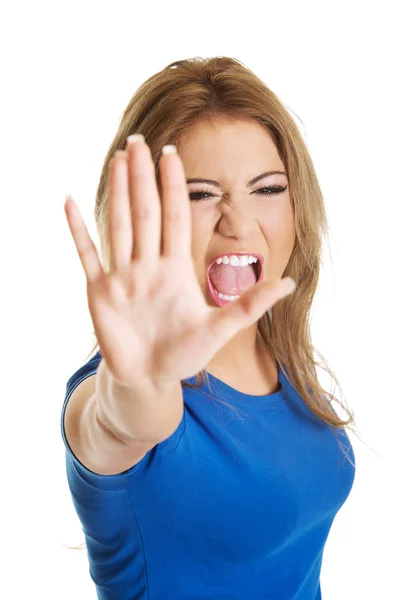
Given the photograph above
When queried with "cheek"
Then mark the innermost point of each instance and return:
(277, 219)
(278, 228)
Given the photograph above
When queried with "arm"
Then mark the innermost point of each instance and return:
(110, 427)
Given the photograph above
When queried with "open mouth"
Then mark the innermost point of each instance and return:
(221, 299)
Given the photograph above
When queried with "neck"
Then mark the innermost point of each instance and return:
(246, 365)
(241, 352)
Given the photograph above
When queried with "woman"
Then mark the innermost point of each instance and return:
(203, 457)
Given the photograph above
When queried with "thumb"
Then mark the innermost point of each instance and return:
(252, 305)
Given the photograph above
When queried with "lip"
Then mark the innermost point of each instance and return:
(260, 276)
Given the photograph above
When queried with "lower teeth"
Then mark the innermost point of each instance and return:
(224, 296)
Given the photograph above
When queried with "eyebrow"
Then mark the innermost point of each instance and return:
(249, 184)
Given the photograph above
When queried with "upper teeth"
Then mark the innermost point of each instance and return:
(237, 261)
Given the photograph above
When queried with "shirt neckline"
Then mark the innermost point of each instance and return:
(223, 391)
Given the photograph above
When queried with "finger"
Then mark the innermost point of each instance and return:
(84, 244)
(176, 213)
(145, 201)
(227, 321)
(119, 212)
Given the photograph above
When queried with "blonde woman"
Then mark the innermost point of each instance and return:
(203, 457)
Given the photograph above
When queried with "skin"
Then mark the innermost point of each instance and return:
(234, 218)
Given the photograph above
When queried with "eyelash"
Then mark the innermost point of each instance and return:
(271, 191)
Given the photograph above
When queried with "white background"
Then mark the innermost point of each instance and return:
(68, 71)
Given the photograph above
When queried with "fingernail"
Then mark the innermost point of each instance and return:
(134, 138)
(169, 149)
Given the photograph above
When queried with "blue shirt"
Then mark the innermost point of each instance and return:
(236, 504)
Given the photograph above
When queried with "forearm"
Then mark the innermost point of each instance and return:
(142, 413)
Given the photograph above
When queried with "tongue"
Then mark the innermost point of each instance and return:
(230, 280)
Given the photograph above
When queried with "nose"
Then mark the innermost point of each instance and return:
(237, 220)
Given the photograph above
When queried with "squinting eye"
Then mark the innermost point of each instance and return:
(200, 194)
(270, 191)
(264, 191)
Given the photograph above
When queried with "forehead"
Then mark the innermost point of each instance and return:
(239, 146)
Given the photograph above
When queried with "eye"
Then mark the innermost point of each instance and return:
(270, 191)
(264, 191)
(202, 196)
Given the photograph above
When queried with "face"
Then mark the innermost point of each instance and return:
(234, 215)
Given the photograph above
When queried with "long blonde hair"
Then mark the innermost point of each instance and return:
(163, 109)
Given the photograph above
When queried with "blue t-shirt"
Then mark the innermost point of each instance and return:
(236, 504)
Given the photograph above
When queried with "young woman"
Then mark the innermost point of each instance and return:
(203, 457)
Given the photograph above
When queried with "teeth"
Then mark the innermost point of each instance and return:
(237, 261)
(224, 297)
